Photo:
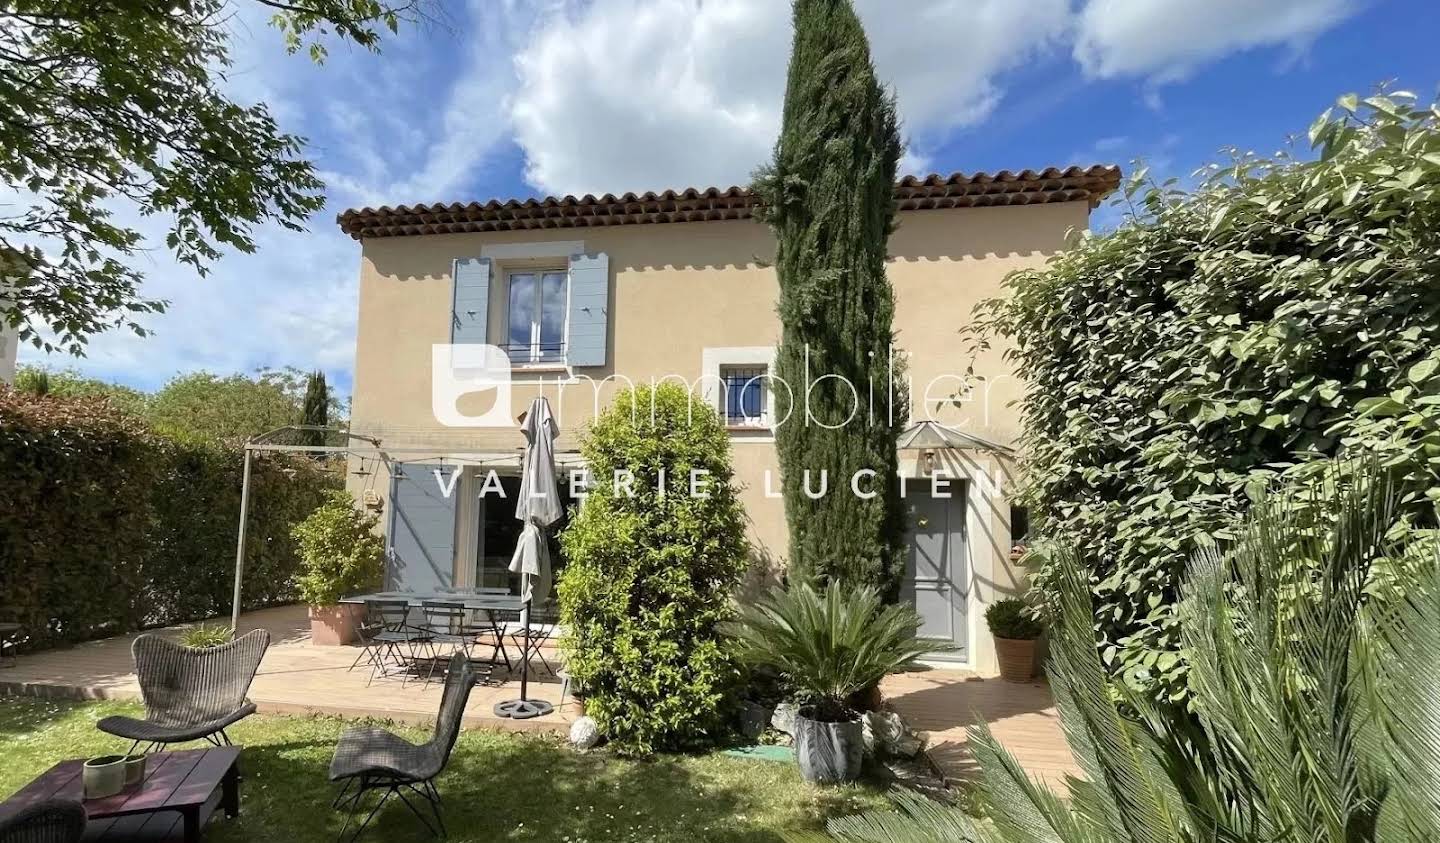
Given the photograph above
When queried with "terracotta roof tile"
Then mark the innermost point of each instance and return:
(957, 190)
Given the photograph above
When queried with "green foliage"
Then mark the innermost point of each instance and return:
(112, 104)
(1011, 618)
(1312, 716)
(203, 407)
(205, 635)
(1283, 312)
(316, 410)
(829, 644)
(33, 381)
(68, 383)
(107, 528)
(649, 573)
(829, 198)
(340, 551)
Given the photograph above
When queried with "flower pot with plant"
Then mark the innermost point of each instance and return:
(828, 645)
(340, 554)
(1015, 631)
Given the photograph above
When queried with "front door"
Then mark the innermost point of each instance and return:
(937, 568)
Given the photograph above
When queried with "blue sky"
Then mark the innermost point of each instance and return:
(504, 98)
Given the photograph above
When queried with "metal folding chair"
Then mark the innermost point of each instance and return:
(398, 638)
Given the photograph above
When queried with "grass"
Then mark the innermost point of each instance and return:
(498, 786)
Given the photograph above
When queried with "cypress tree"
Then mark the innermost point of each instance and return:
(829, 197)
(316, 409)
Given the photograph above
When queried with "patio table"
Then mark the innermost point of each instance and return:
(472, 600)
(489, 603)
(180, 792)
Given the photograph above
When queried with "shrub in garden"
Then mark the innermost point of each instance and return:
(340, 551)
(1010, 618)
(1226, 338)
(650, 569)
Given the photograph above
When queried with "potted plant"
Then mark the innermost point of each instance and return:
(1015, 632)
(340, 554)
(205, 636)
(827, 645)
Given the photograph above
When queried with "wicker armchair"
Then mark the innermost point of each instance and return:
(190, 693)
(52, 821)
(373, 759)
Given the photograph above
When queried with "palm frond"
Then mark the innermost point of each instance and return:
(914, 819)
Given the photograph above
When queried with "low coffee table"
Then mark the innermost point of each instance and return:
(180, 792)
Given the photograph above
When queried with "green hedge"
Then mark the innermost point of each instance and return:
(1227, 338)
(107, 528)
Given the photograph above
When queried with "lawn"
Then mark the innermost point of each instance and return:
(499, 786)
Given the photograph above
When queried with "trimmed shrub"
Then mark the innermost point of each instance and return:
(1224, 340)
(1010, 618)
(649, 572)
(107, 528)
(340, 551)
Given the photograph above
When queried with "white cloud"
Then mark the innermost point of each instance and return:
(1168, 41)
(624, 95)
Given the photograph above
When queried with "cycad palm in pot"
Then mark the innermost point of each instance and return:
(828, 645)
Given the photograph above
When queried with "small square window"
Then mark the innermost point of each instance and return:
(744, 399)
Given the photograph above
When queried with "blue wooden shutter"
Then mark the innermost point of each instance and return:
(589, 309)
(471, 312)
(422, 527)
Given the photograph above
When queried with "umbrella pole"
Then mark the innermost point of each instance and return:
(524, 709)
(524, 653)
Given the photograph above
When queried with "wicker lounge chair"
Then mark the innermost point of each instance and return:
(370, 759)
(52, 821)
(190, 694)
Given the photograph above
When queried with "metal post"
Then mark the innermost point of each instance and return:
(240, 543)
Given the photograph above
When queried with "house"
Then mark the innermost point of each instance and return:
(578, 297)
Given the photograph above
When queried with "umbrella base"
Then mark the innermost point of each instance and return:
(523, 709)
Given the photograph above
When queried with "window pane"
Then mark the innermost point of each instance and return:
(522, 310)
(552, 314)
(743, 393)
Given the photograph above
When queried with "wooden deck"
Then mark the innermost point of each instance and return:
(1022, 717)
(295, 678)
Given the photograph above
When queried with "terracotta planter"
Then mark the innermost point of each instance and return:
(1016, 657)
(334, 626)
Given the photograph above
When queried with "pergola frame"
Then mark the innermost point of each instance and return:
(262, 443)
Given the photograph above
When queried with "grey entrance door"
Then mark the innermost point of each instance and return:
(937, 567)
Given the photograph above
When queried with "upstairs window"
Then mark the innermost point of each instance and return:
(536, 317)
(744, 401)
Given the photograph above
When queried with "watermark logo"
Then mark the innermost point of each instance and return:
(477, 373)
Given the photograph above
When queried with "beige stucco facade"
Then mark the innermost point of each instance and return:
(683, 296)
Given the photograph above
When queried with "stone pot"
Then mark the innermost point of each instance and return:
(103, 776)
(828, 752)
(335, 626)
(1016, 657)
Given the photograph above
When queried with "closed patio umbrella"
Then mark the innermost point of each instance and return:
(537, 507)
